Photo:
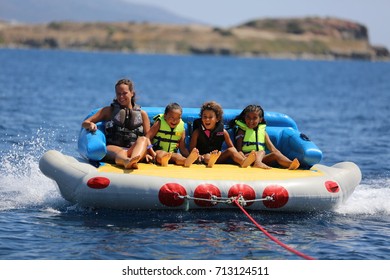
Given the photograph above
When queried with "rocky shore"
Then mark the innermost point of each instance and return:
(302, 38)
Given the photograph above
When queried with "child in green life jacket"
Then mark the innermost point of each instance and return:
(252, 136)
(167, 136)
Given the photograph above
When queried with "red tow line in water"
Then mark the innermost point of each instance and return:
(277, 241)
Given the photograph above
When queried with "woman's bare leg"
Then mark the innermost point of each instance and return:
(119, 155)
(137, 151)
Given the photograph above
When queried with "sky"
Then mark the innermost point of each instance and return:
(374, 14)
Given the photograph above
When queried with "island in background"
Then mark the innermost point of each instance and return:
(303, 38)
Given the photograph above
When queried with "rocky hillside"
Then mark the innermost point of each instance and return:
(317, 38)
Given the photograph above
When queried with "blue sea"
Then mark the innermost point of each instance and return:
(343, 106)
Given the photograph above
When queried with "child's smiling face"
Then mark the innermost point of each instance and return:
(173, 117)
(209, 119)
(252, 119)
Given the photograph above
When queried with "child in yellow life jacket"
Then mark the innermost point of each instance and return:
(252, 136)
(209, 135)
(167, 135)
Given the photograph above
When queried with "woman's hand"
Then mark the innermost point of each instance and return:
(90, 126)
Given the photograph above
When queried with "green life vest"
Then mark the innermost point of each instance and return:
(254, 139)
(167, 138)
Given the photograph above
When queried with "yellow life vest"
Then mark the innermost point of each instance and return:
(167, 138)
(254, 139)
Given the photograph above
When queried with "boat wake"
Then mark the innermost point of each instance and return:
(369, 198)
(22, 184)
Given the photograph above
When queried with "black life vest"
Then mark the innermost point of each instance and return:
(206, 144)
(125, 125)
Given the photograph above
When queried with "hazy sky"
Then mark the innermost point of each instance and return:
(374, 14)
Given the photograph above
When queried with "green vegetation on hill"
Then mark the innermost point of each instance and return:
(326, 38)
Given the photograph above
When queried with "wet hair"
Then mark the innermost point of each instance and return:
(249, 109)
(131, 88)
(173, 106)
(213, 106)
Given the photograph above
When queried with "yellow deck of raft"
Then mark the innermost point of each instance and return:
(217, 172)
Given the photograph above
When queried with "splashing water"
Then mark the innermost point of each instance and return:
(371, 197)
(22, 185)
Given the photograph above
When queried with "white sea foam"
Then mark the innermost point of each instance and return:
(371, 197)
(27, 189)
(22, 185)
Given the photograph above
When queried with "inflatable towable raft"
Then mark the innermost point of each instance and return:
(91, 183)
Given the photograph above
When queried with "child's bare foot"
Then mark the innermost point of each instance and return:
(249, 160)
(134, 166)
(165, 159)
(262, 166)
(131, 163)
(294, 165)
(193, 156)
(214, 155)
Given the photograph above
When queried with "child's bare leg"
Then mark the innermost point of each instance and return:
(281, 159)
(232, 153)
(285, 161)
(259, 161)
(214, 155)
(239, 158)
(248, 160)
(163, 157)
(294, 164)
(178, 159)
(192, 157)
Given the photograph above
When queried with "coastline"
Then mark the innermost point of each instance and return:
(306, 38)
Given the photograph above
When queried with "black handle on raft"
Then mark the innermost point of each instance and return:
(304, 137)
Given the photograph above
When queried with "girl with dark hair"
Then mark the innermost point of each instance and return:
(252, 137)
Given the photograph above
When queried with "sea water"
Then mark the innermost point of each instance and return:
(343, 106)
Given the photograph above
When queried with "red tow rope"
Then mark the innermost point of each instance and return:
(269, 235)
